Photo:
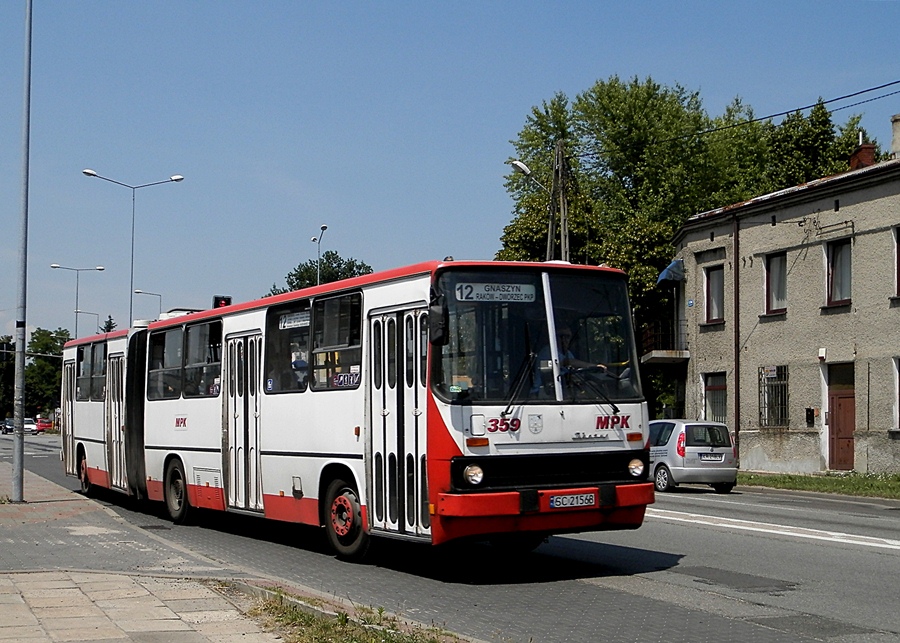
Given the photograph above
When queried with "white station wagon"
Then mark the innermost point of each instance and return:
(692, 451)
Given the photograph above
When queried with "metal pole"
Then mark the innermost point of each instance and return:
(77, 275)
(131, 296)
(19, 392)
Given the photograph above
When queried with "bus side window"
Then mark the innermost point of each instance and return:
(337, 348)
(202, 362)
(164, 377)
(287, 348)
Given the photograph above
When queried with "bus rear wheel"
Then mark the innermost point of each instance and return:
(83, 476)
(343, 522)
(175, 489)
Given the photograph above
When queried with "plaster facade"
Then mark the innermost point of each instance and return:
(810, 360)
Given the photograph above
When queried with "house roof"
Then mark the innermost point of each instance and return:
(873, 174)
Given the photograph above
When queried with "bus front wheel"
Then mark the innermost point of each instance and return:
(177, 503)
(343, 522)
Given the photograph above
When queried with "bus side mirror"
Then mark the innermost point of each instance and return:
(438, 321)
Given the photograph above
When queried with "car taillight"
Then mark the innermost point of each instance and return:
(733, 446)
(679, 447)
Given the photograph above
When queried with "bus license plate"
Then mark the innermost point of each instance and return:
(711, 457)
(573, 500)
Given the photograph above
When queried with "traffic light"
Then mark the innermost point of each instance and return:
(220, 301)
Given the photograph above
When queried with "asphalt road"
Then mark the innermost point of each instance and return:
(749, 566)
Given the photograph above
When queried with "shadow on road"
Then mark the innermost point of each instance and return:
(465, 563)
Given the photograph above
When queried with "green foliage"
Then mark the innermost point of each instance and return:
(644, 158)
(109, 325)
(333, 268)
(7, 375)
(43, 374)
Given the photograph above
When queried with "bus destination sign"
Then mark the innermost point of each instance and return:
(495, 292)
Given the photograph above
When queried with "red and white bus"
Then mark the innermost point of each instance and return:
(426, 403)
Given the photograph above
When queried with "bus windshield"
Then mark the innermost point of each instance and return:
(500, 325)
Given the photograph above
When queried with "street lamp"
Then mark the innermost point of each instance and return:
(155, 294)
(318, 242)
(176, 178)
(86, 312)
(77, 272)
(521, 168)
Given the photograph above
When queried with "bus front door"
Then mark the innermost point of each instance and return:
(115, 422)
(398, 485)
(241, 417)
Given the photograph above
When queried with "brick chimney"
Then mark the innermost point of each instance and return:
(863, 156)
(895, 136)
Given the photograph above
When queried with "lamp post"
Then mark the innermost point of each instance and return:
(87, 312)
(560, 174)
(175, 178)
(77, 272)
(318, 242)
(155, 294)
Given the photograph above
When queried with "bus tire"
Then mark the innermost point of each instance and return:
(343, 522)
(175, 489)
(83, 476)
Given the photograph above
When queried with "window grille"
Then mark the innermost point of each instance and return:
(773, 396)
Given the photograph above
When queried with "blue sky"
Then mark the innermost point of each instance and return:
(389, 122)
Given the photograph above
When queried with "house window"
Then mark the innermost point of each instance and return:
(839, 272)
(716, 391)
(897, 262)
(715, 294)
(773, 396)
(776, 283)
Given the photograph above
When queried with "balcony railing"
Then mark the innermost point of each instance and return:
(665, 342)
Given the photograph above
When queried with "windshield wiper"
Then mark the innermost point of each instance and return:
(579, 374)
(519, 381)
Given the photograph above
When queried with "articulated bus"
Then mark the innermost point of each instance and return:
(428, 403)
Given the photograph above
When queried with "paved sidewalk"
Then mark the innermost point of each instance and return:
(73, 570)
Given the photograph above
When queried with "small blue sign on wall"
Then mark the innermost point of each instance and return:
(690, 303)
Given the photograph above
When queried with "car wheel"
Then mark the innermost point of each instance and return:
(723, 487)
(663, 479)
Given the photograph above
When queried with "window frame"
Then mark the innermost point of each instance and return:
(161, 374)
(280, 379)
(774, 387)
(834, 253)
(711, 395)
(772, 289)
(710, 299)
(210, 369)
(336, 342)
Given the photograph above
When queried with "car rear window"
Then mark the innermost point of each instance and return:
(707, 435)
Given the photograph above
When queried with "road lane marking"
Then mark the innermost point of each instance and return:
(770, 528)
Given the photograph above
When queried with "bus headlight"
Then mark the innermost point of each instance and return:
(636, 468)
(473, 474)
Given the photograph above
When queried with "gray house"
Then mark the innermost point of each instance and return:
(788, 321)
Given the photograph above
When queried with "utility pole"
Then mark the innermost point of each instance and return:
(559, 204)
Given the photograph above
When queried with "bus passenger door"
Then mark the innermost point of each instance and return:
(241, 418)
(398, 489)
(115, 422)
(66, 421)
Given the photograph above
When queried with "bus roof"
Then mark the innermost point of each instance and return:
(426, 267)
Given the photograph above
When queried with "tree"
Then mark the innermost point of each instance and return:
(333, 268)
(43, 373)
(644, 158)
(109, 325)
(7, 375)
